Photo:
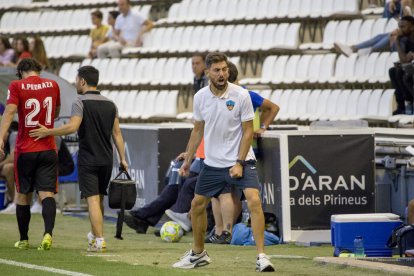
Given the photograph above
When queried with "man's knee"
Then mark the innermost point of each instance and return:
(198, 204)
(253, 199)
(102, 50)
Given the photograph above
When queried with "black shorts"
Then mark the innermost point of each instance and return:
(36, 171)
(94, 180)
(215, 181)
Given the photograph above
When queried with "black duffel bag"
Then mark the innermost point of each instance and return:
(122, 194)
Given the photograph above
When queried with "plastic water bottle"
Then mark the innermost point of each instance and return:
(359, 247)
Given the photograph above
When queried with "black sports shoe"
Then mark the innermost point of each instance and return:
(140, 226)
(224, 238)
(157, 232)
(211, 236)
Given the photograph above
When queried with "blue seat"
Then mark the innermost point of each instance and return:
(73, 177)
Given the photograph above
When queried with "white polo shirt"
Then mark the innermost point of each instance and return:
(129, 25)
(223, 117)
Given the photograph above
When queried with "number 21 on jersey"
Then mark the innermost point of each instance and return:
(35, 106)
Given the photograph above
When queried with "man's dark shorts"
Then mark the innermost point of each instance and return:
(94, 180)
(215, 181)
(36, 171)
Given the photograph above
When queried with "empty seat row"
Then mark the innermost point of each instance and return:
(233, 38)
(311, 105)
(152, 71)
(230, 10)
(54, 20)
(144, 104)
(302, 106)
(352, 32)
(67, 46)
(326, 68)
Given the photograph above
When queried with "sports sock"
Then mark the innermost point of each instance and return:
(49, 214)
(99, 241)
(23, 219)
(91, 237)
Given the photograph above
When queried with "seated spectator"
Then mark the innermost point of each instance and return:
(6, 51)
(98, 33)
(21, 51)
(112, 15)
(199, 67)
(7, 169)
(402, 83)
(410, 215)
(151, 213)
(397, 8)
(37, 48)
(129, 29)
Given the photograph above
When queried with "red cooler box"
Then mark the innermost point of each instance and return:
(375, 230)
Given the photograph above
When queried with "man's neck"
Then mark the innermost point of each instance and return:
(199, 76)
(126, 12)
(89, 89)
(218, 92)
(30, 74)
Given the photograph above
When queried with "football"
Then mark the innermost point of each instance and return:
(171, 232)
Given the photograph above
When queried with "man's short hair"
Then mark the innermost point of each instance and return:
(114, 14)
(90, 74)
(233, 72)
(28, 65)
(215, 57)
(97, 13)
(409, 19)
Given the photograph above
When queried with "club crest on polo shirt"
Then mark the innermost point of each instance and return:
(230, 105)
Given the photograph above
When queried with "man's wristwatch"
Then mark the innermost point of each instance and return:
(241, 162)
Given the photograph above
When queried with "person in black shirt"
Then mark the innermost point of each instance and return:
(96, 120)
(402, 82)
(198, 65)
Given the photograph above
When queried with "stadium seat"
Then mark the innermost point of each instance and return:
(149, 105)
(290, 69)
(380, 73)
(139, 104)
(341, 105)
(374, 103)
(326, 69)
(292, 104)
(321, 105)
(302, 69)
(128, 106)
(311, 105)
(331, 105)
(284, 103)
(265, 93)
(276, 96)
(365, 31)
(314, 68)
(301, 105)
(354, 28)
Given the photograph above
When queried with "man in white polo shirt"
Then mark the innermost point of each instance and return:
(128, 30)
(223, 114)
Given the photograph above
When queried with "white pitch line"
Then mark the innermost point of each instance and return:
(43, 268)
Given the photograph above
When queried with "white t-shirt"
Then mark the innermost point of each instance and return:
(129, 25)
(223, 119)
